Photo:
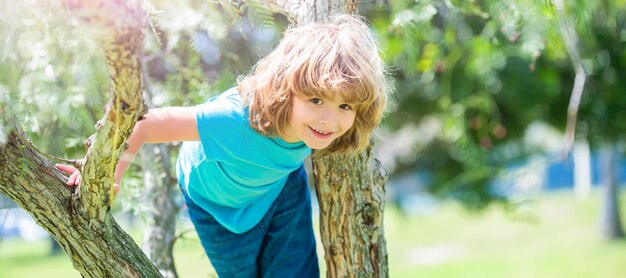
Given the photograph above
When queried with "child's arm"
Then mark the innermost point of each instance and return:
(160, 125)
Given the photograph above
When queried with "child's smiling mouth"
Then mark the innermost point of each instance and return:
(321, 134)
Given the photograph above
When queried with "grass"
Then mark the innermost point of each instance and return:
(554, 236)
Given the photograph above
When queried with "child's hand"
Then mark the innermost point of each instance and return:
(75, 178)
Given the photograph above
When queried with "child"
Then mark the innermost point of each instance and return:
(240, 168)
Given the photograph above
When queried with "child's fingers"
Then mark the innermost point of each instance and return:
(116, 188)
(66, 168)
(74, 179)
(71, 179)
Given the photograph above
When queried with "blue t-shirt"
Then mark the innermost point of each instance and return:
(234, 172)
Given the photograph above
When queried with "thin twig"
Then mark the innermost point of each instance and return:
(74, 162)
(20, 134)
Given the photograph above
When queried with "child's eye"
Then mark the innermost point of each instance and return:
(345, 107)
(316, 101)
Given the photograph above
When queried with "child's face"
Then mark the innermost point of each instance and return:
(318, 121)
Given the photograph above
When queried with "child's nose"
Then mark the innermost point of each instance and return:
(328, 117)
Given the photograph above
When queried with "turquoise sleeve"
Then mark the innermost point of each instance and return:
(220, 128)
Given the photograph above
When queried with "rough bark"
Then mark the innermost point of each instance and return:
(351, 194)
(121, 26)
(350, 188)
(610, 224)
(80, 220)
(96, 248)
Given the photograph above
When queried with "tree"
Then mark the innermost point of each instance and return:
(80, 220)
(102, 249)
(610, 222)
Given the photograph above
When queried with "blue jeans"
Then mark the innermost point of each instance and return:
(281, 245)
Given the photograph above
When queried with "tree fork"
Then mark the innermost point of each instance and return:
(120, 25)
(80, 220)
(37, 186)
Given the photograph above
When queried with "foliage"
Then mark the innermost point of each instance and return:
(484, 72)
(470, 76)
(55, 93)
(55, 82)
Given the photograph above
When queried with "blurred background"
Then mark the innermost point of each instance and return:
(482, 181)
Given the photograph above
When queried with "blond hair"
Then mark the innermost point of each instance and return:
(322, 59)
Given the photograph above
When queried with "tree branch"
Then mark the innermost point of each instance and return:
(121, 30)
(570, 37)
(37, 186)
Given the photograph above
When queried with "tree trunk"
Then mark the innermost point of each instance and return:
(159, 235)
(610, 224)
(305, 11)
(80, 220)
(160, 186)
(350, 188)
(351, 194)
